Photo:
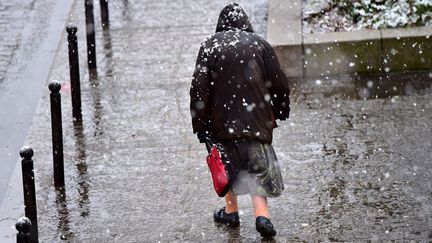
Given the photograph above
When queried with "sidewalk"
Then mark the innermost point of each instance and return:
(354, 170)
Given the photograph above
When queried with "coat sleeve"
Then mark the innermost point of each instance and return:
(277, 84)
(200, 94)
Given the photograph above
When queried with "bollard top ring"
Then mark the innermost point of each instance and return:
(54, 86)
(23, 225)
(26, 152)
(71, 29)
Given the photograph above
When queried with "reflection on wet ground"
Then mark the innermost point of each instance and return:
(108, 52)
(63, 229)
(97, 106)
(393, 84)
(366, 86)
(82, 178)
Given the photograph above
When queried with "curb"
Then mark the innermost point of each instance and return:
(364, 51)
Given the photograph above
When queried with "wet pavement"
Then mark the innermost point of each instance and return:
(356, 160)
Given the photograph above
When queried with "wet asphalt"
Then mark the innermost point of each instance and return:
(355, 153)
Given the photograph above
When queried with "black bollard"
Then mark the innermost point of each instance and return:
(23, 226)
(74, 72)
(57, 133)
(29, 196)
(104, 13)
(91, 42)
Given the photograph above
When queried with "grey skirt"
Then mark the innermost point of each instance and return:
(259, 170)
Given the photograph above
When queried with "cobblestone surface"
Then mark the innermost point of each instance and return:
(354, 170)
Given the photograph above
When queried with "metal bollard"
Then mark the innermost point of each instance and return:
(104, 13)
(23, 226)
(74, 72)
(26, 154)
(91, 42)
(57, 133)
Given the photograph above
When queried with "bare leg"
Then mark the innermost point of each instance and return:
(260, 206)
(231, 203)
(263, 225)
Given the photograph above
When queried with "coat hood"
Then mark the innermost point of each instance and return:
(233, 17)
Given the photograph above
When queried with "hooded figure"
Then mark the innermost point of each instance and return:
(238, 91)
(238, 88)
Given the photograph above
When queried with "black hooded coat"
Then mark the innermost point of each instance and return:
(238, 89)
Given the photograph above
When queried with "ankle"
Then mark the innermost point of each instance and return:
(231, 209)
(259, 218)
(262, 212)
(267, 216)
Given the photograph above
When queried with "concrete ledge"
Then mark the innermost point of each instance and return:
(337, 53)
(284, 32)
(407, 49)
(364, 51)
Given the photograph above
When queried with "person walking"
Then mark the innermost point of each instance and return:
(238, 91)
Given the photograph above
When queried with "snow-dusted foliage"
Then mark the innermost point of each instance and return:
(347, 15)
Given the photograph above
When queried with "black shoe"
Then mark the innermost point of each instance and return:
(230, 219)
(265, 227)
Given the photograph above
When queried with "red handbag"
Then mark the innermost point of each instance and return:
(217, 170)
(222, 171)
